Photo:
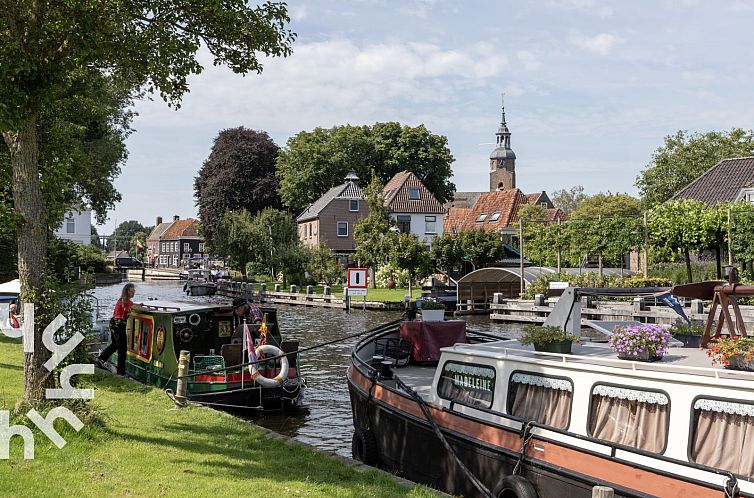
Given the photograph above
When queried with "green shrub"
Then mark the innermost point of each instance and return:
(428, 304)
(696, 327)
(545, 334)
(386, 271)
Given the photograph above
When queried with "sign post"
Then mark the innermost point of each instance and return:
(358, 282)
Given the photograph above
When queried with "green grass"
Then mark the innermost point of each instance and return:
(381, 295)
(138, 444)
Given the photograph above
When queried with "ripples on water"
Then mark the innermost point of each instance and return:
(325, 419)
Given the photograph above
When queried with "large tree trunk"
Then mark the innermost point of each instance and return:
(688, 264)
(32, 246)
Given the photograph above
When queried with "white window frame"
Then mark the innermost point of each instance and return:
(70, 225)
(201, 247)
(185, 247)
(495, 216)
(481, 218)
(337, 228)
(434, 224)
(351, 204)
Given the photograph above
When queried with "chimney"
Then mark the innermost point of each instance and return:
(351, 177)
(176, 217)
(158, 221)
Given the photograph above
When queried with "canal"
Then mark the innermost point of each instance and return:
(325, 419)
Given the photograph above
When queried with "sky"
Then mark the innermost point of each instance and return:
(591, 89)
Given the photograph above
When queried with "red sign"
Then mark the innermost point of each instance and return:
(357, 278)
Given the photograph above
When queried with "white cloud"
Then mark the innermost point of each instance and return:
(298, 13)
(601, 44)
(529, 60)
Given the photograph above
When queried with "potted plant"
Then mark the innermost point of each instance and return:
(735, 353)
(547, 338)
(432, 310)
(645, 342)
(690, 334)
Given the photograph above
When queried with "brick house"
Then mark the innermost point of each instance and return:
(332, 218)
(177, 243)
(153, 241)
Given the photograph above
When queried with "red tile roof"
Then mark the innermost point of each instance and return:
(533, 198)
(555, 214)
(181, 229)
(505, 202)
(454, 219)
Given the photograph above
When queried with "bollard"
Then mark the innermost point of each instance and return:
(183, 368)
(497, 298)
(250, 286)
(277, 287)
(539, 300)
(326, 291)
(697, 307)
(602, 492)
(639, 304)
(309, 289)
(294, 289)
(262, 288)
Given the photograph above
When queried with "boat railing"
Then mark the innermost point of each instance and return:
(529, 356)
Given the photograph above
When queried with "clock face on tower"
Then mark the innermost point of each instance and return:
(501, 163)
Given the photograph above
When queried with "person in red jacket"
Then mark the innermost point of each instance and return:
(118, 329)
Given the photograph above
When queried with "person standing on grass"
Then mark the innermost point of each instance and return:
(118, 329)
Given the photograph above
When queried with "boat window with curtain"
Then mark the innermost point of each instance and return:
(467, 384)
(631, 417)
(539, 398)
(723, 435)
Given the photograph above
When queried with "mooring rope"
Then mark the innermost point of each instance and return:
(438, 432)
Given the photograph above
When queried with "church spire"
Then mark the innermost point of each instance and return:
(502, 159)
(503, 133)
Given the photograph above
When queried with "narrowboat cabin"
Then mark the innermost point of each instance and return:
(519, 423)
(158, 331)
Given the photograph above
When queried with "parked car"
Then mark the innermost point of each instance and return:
(127, 262)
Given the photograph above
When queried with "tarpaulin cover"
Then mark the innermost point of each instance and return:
(428, 337)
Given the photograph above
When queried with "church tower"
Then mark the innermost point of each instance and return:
(503, 160)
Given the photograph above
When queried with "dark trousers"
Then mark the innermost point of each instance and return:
(118, 338)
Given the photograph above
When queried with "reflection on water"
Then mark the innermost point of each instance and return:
(325, 419)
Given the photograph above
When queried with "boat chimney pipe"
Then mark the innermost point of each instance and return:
(180, 390)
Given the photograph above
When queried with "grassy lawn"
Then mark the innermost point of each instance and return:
(138, 445)
(383, 295)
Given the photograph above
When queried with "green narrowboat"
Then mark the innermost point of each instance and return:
(158, 331)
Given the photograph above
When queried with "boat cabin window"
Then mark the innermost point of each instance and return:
(722, 435)
(631, 417)
(467, 384)
(539, 398)
(141, 336)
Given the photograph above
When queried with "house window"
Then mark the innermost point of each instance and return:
(404, 223)
(201, 246)
(342, 229)
(481, 218)
(70, 226)
(185, 247)
(495, 216)
(631, 417)
(538, 398)
(430, 224)
(353, 205)
(717, 427)
(413, 194)
(543, 204)
(467, 384)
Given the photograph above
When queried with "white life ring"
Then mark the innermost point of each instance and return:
(280, 377)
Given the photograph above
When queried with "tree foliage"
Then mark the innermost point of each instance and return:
(685, 156)
(408, 253)
(52, 53)
(313, 162)
(123, 235)
(568, 200)
(238, 174)
(481, 247)
(323, 265)
(446, 252)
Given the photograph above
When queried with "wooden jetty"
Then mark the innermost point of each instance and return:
(260, 292)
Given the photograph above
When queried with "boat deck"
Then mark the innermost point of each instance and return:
(418, 377)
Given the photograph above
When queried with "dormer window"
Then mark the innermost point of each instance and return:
(413, 194)
(353, 205)
(481, 218)
(495, 217)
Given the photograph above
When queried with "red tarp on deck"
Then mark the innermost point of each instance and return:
(428, 337)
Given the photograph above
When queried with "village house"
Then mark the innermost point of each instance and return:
(730, 180)
(413, 208)
(76, 227)
(170, 245)
(332, 218)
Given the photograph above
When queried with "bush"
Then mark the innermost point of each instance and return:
(537, 335)
(542, 284)
(428, 304)
(727, 350)
(696, 327)
(386, 271)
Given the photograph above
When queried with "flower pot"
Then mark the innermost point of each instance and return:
(433, 315)
(689, 340)
(646, 355)
(555, 347)
(740, 363)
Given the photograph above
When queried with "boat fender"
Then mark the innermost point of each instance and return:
(260, 379)
(364, 447)
(194, 319)
(514, 487)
